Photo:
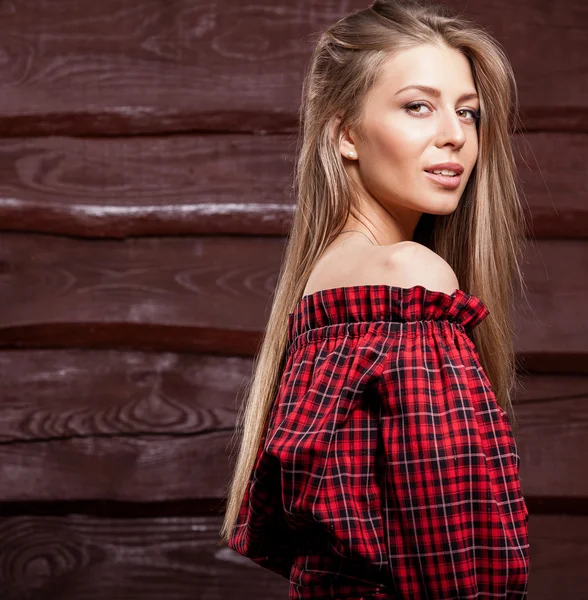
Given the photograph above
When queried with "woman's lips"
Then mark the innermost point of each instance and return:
(445, 181)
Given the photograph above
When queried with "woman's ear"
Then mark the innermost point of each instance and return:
(341, 138)
(347, 145)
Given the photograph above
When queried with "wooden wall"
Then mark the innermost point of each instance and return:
(146, 151)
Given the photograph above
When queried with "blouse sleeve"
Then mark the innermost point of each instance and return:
(261, 532)
(454, 518)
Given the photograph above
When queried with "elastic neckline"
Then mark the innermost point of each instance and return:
(382, 302)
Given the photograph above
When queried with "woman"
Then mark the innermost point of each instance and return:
(378, 458)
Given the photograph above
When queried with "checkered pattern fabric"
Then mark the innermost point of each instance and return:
(387, 469)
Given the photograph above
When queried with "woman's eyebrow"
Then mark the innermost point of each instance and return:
(435, 92)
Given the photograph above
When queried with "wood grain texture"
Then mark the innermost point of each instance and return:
(145, 467)
(158, 427)
(148, 66)
(203, 294)
(213, 294)
(554, 180)
(225, 184)
(169, 185)
(82, 558)
(52, 395)
(85, 558)
(552, 436)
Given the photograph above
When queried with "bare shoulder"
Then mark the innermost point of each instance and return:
(407, 264)
(404, 264)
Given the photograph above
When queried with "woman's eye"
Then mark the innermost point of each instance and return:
(475, 114)
(411, 109)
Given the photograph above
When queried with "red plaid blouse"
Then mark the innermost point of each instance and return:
(387, 469)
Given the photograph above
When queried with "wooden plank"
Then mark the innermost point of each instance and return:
(554, 180)
(555, 273)
(158, 427)
(203, 294)
(135, 467)
(178, 185)
(172, 185)
(551, 434)
(85, 558)
(213, 294)
(558, 550)
(116, 68)
(52, 395)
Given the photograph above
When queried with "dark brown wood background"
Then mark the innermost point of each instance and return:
(146, 153)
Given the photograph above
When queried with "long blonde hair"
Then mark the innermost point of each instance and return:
(482, 239)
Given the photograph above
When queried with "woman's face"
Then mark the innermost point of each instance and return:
(408, 131)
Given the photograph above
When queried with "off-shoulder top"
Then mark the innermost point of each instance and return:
(387, 469)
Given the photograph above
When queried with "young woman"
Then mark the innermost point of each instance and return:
(378, 458)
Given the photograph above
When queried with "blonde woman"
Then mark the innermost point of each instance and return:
(378, 458)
